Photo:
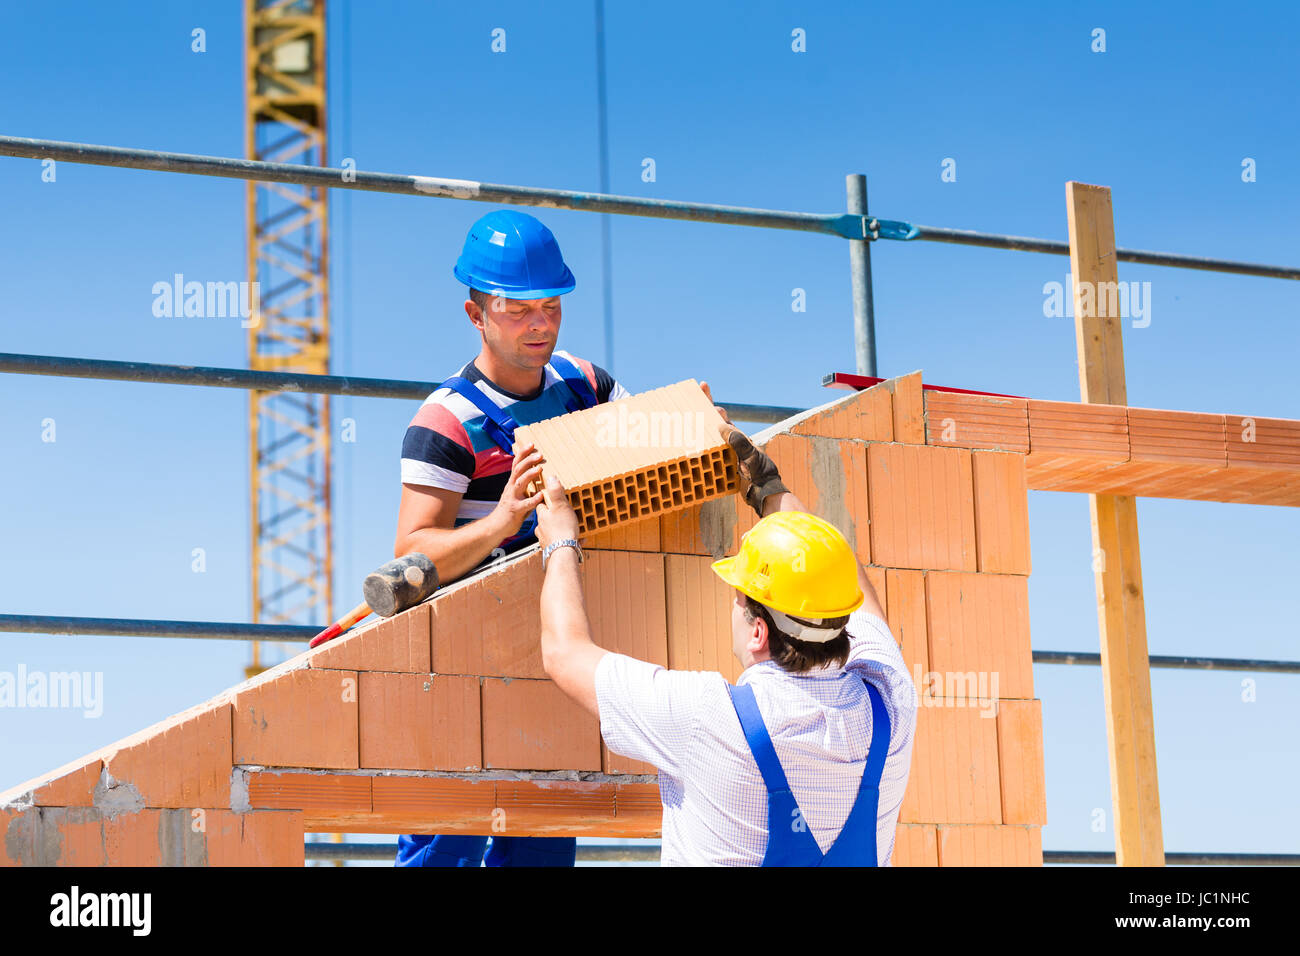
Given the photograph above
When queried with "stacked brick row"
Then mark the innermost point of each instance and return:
(1120, 450)
(442, 719)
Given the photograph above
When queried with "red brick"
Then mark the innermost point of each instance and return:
(1020, 762)
(264, 838)
(533, 725)
(922, 507)
(906, 590)
(184, 761)
(399, 643)
(954, 774)
(640, 535)
(866, 415)
(491, 624)
(301, 718)
(979, 623)
(909, 408)
(71, 785)
(976, 421)
(1180, 437)
(272, 790)
(713, 528)
(699, 617)
(990, 846)
(420, 722)
(915, 844)
(1001, 512)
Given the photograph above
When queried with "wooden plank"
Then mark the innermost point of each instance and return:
(1126, 675)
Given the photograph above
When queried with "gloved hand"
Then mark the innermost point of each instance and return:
(755, 467)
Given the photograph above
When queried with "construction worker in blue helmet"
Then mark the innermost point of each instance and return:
(805, 760)
(464, 492)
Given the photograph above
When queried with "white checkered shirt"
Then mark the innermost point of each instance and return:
(715, 803)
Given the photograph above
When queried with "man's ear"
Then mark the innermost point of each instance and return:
(758, 638)
(475, 314)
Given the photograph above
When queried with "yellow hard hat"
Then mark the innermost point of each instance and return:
(798, 564)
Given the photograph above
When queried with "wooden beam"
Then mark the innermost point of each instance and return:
(1121, 612)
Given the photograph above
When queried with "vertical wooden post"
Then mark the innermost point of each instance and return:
(1121, 612)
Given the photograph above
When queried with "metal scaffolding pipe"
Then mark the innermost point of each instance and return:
(844, 225)
(282, 381)
(1180, 859)
(1177, 663)
(136, 627)
(427, 186)
(128, 627)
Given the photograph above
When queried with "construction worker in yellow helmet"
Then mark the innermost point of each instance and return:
(805, 760)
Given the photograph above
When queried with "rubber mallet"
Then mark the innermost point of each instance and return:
(390, 589)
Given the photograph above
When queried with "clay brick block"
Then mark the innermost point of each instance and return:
(830, 478)
(699, 617)
(644, 455)
(625, 594)
(399, 643)
(1020, 762)
(877, 578)
(183, 761)
(909, 408)
(954, 775)
(915, 844)
(419, 722)
(301, 718)
(906, 608)
(135, 839)
(435, 799)
(1078, 428)
(613, 762)
(867, 415)
(640, 535)
(264, 838)
(990, 846)
(976, 421)
(273, 790)
(1265, 442)
(51, 836)
(1001, 512)
(491, 624)
(978, 627)
(532, 725)
(71, 785)
(922, 507)
(1180, 437)
(713, 528)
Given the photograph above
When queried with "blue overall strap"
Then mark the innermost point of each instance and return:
(789, 843)
(576, 381)
(856, 844)
(500, 427)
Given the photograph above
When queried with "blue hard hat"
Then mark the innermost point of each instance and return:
(510, 253)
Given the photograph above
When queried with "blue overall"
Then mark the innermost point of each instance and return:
(468, 850)
(789, 841)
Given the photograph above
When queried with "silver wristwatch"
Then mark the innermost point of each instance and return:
(566, 543)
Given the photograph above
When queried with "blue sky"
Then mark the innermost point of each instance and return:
(102, 522)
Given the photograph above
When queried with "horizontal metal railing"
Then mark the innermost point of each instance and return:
(843, 225)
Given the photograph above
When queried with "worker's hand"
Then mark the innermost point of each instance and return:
(516, 502)
(717, 408)
(556, 519)
(761, 479)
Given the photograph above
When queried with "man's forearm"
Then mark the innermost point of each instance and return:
(569, 656)
(455, 551)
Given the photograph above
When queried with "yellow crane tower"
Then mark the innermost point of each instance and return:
(288, 258)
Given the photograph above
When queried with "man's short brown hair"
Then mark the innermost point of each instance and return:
(480, 298)
(797, 657)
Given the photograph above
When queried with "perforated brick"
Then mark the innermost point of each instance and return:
(645, 455)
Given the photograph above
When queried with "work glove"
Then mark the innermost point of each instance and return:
(757, 469)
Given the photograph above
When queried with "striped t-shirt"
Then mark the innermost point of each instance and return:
(447, 447)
